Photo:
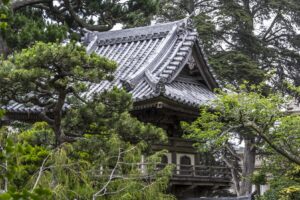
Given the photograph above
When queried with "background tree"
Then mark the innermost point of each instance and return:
(52, 21)
(248, 119)
(245, 39)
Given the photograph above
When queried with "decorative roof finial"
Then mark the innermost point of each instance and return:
(160, 86)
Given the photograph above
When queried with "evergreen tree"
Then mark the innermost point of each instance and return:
(49, 76)
(245, 39)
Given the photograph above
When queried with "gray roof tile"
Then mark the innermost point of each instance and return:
(149, 60)
(147, 54)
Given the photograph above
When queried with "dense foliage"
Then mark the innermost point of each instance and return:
(50, 76)
(94, 167)
(282, 177)
(257, 121)
(87, 147)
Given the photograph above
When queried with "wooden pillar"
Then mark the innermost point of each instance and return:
(174, 161)
(197, 159)
(174, 157)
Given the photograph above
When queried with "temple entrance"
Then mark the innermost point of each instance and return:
(185, 165)
(164, 161)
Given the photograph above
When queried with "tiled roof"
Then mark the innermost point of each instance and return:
(21, 108)
(149, 61)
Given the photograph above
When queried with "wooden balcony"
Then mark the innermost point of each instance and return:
(198, 175)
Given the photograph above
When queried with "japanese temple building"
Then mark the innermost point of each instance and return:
(164, 69)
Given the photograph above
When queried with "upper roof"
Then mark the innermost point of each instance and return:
(150, 63)
(150, 60)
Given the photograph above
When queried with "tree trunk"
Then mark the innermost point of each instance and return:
(3, 46)
(248, 167)
(58, 116)
(58, 133)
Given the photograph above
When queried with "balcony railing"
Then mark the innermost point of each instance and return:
(198, 173)
(195, 174)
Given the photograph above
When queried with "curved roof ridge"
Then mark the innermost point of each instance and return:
(156, 30)
(144, 30)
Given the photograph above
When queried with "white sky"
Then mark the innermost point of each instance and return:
(117, 26)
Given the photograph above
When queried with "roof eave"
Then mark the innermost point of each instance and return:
(162, 102)
(202, 61)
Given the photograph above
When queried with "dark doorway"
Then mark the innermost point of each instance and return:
(185, 165)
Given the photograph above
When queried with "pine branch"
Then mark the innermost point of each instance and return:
(18, 4)
(82, 22)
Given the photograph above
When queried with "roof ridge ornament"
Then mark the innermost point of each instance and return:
(186, 25)
(191, 63)
(190, 24)
(151, 79)
(160, 87)
(181, 29)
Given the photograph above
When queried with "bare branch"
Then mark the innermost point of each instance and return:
(277, 37)
(234, 173)
(104, 188)
(44, 117)
(40, 173)
(227, 41)
(115, 192)
(232, 151)
(271, 25)
(79, 97)
(281, 151)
